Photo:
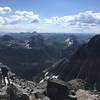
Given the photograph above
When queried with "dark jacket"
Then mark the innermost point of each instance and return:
(4, 71)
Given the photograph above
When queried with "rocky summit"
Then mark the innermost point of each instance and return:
(20, 89)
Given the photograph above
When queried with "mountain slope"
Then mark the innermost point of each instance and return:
(28, 56)
(85, 63)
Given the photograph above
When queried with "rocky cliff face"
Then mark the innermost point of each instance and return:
(85, 63)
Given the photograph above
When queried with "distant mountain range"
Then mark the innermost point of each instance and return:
(29, 54)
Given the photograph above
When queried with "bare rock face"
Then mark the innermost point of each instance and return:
(21, 89)
(56, 90)
(15, 94)
(3, 93)
(60, 90)
(87, 95)
(72, 90)
(84, 64)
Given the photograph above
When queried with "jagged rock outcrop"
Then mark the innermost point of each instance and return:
(21, 89)
(57, 90)
(87, 95)
(13, 93)
(72, 90)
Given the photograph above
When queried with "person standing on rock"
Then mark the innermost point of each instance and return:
(5, 71)
(0, 78)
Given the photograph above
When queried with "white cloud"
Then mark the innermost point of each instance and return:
(28, 15)
(17, 21)
(4, 10)
(53, 20)
(20, 17)
(83, 19)
(1, 20)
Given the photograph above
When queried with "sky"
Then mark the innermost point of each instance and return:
(59, 16)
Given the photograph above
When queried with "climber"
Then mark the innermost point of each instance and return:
(5, 71)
